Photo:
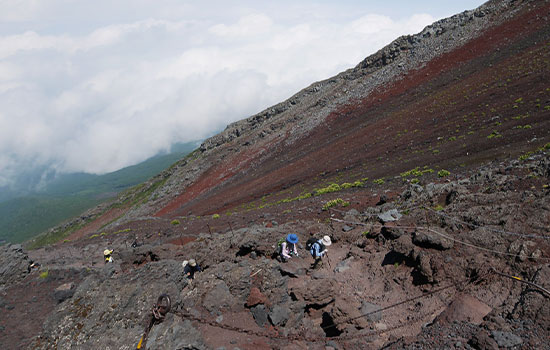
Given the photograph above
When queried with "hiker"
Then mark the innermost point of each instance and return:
(288, 247)
(190, 268)
(107, 255)
(33, 266)
(318, 249)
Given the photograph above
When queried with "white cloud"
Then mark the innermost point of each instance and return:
(109, 97)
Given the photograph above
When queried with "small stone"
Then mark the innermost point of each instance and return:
(347, 228)
(256, 297)
(260, 315)
(390, 215)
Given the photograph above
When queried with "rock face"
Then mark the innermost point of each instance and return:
(14, 264)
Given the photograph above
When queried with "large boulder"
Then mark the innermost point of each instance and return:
(318, 292)
(14, 264)
(64, 292)
(464, 308)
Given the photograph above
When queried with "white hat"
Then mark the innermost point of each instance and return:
(192, 262)
(326, 241)
(184, 263)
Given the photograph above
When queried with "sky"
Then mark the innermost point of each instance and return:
(95, 86)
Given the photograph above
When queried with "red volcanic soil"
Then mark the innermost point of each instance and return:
(481, 101)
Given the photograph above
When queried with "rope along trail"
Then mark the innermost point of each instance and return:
(445, 236)
(301, 336)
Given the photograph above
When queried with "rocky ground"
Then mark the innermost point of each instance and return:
(421, 253)
(427, 164)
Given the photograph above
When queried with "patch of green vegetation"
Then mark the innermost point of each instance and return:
(175, 222)
(94, 236)
(44, 274)
(333, 187)
(122, 231)
(452, 138)
(494, 134)
(347, 185)
(526, 156)
(335, 202)
(443, 173)
(216, 216)
(379, 181)
(439, 207)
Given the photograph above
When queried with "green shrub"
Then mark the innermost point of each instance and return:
(333, 187)
(175, 222)
(44, 274)
(216, 216)
(379, 181)
(335, 202)
(443, 173)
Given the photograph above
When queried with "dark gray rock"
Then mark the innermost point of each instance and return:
(370, 310)
(218, 298)
(347, 228)
(431, 240)
(344, 265)
(260, 314)
(391, 232)
(506, 339)
(389, 216)
(292, 269)
(64, 292)
(279, 315)
(172, 333)
(14, 264)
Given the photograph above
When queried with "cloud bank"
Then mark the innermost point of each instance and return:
(94, 96)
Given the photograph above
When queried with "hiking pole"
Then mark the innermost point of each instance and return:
(328, 260)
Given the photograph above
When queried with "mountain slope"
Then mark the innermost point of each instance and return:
(381, 114)
(428, 166)
(69, 195)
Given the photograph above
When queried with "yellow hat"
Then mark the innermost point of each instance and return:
(107, 252)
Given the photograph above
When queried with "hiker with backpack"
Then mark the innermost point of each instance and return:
(190, 268)
(288, 247)
(318, 248)
(107, 255)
